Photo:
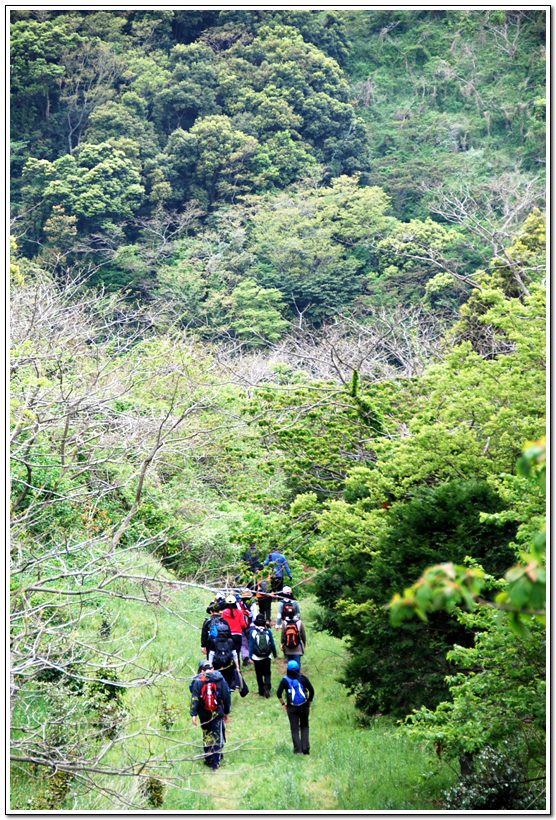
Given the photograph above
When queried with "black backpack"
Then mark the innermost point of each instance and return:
(219, 626)
(223, 648)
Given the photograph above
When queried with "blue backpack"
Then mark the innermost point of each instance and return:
(297, 695)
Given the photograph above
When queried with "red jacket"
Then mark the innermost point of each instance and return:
(236, 619)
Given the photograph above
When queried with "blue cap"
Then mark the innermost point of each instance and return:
(293, 665)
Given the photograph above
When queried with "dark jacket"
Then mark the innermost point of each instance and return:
(251, 558)
(224, 699)
(206, 640)
(253, 646)
(284, 686)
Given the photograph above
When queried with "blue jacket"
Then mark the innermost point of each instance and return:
(281, 563)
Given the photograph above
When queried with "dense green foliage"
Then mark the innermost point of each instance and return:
(278, 278)
(126, 122)
(500, 706)
(371, 554)
(445, 95)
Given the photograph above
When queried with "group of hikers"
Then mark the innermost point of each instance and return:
(238, 628)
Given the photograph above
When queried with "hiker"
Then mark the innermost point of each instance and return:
(250, 612)
(293, 640)
(261, 646)
(233, 614)
(247, 605)
(222, 653)
(286, 597)
(251, 557)
(251, 564)
(299, 696)
(264, 601)
(280, 564)
(210, 703)
(214, 615)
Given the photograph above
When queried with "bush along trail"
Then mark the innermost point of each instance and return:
(354, 764)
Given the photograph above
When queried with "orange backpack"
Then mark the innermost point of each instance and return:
(292, 639)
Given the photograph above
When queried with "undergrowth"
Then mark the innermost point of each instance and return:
(351, 766)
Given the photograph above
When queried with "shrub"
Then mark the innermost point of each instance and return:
(496, 782)
(153, 790)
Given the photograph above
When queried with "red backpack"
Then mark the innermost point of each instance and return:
(292, 639)
(246, 612)
(209, 694)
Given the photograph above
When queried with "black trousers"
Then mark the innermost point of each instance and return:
(277, 584)
(228, 673)
(299, 725)
(237, 643)
(214, 737)
(265, 607)
(262, 671)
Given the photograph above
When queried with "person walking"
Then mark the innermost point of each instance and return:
(280, 563)
(261, 646)
(264, 600)
(233, 614)
(293, 639)
(299, 696)
(286, 597)
(222, 654)
(210, 704)
(250, 565)
(250, 613)
(208, 629)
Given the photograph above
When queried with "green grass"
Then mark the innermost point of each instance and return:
(350, 767)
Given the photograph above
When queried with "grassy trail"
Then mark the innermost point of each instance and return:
(349, 768)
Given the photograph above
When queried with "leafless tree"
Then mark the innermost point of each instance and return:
(379, 343)
(95, 404)
(162, 231)
(504, 33)
(494, 212)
